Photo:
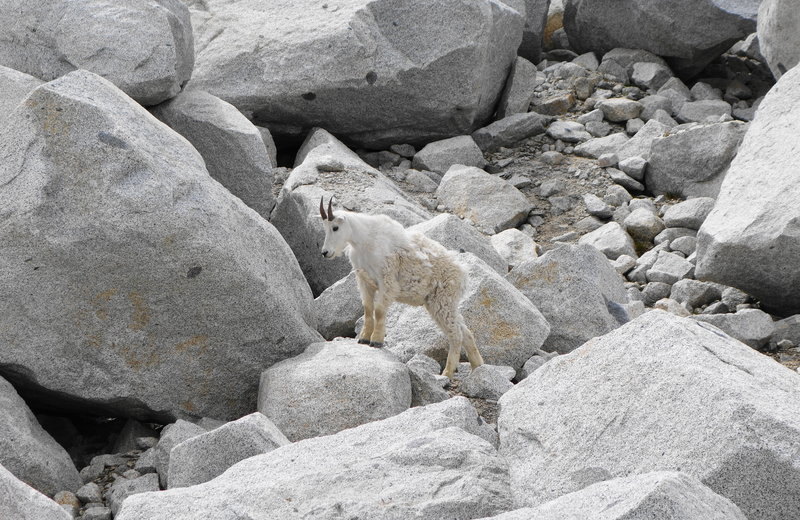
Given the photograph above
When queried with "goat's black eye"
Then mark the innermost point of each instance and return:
(336, 228)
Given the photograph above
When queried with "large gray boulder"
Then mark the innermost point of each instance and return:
(693, 160)
(144, 47)
(572, 286)
(19, 501)
(28, 451)
(14, 87)
(233, 149)
(453, 233)
(779, 34)
(749, 239)
(338, 308)
(734, 427)
(172, 435)
(333, 386)
(489, 202)
(535, 14)
(373, 72)
(662, 495)
(688, 33)
(208, 455)
(325, 167)
(439, 156)
(428, 462)
(133, 283)
(508, 328)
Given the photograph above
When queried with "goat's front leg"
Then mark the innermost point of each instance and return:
(367, 291)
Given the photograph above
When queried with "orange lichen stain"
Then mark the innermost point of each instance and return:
(94, 341)
(140, 317)
(100, 301)
(503, 330)
(486, 300)
(200, 341)
(188, 406)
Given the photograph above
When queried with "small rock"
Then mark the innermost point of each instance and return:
(752, 327)
(595, 206)
(439, 156)
(403, 150)
(618, 110)
(514, 246)
(598, 146)
(537, 360)
(670, 234)
(686, 245)
(146, 462)
(611, 240)
(705, 110)
(633, 126)
(560, 205)
(425, 387)
(695, 293)
(607, 159)
(123, 488)
(97, 513)
(568, 131)
(598, 128)
(701, 91)
(634, 167)
(624, 263)
(90, 492)
(733, 297)
(487, 382)
(654, 292)
(510, 130)
(519, 89)
(671, 306)
(554, 105)
(621, 178)
(643, 225)
(690, 213)
(552, 158)
(551, 187)
(595, 115)
(617, 196)
(669, 268)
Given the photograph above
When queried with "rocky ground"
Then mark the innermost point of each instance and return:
(623, 203)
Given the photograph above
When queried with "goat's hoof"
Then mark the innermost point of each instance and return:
(376, 344)
(364, 341)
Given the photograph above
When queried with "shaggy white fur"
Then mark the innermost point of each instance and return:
(391, 265)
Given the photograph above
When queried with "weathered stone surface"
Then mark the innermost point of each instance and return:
(453, 233)
(518, 92)
(706, 110)
(594, 148)
(172, 435)
(439, 156)
(19, 501)
(144, 47)
(338, 308)
(417, 464)
(191, 293)
(679, 31)
(373, 72)
(123, 488)
(486, 382)
(693, 161)
(643, 225)
(507, 327)
(510, 130)
(740, 412)
(232, 148)
(778, 37)
(571, 285)
(489, 202)
(749, 239)
(208, 455)
(611, 240)
(752, 327)
(666, 495)
(14, 87)
(514, 246)
(29, 452)
(325, 167)
(619, 110)
(689, 213)
(333, 386)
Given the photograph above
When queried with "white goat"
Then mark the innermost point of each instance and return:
(391, 265)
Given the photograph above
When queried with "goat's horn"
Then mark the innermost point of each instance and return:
(330, 210)
(322, 209)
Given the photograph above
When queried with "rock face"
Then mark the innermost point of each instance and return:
(427, 462)
(191, 293)
(666, 495)
(508, 328)
(571, 285)
(489, 202)
(144, 47)
(693, 161)
(29, 452)
(373, 72)
(14, 87)
(206, 456)
(325, 167)
(749, 239)
(568, 424)
(338, 308)
(679, 30)
(778, 35)
(21, 502)
(233, 149)
(333, 386)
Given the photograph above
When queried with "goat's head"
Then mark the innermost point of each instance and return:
(337, 231)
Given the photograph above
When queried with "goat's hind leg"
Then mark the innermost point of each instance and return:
(446, 318)
(473, 354)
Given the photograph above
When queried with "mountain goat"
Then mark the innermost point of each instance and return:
(391, 265)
